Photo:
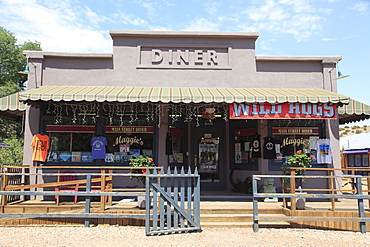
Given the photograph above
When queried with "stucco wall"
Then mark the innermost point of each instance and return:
(133, 63)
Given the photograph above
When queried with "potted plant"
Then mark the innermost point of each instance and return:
(299, 159)
(141, 162)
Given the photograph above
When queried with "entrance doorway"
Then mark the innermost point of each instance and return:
(209, 156)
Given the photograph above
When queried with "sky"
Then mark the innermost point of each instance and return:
(285, 27)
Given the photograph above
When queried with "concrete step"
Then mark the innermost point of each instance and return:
(232, 217)
(239, 211)
(244, 224)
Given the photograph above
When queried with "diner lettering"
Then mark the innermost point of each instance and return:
(184, 57)
(295, 142)
(128, 140)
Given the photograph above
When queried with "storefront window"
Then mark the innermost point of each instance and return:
(71, 143)
(176, 136)
(289, 140)
(358, 160)
(69, 147)
(124, 146)
(242, 156)
(243, 148)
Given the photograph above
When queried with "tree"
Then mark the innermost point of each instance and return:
(14, 154)
(12, 61)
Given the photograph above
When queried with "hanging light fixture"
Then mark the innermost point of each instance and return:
(27, 71)
(340, 75)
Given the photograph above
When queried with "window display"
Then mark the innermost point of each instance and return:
(247, 148)
(119, 143)
(289, 140)
(177, 139)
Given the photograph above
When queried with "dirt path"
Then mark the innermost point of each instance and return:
(135, 236)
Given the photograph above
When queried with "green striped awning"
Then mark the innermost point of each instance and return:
(180, 95)
(354, 111)
(11, 107)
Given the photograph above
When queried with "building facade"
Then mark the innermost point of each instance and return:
(193, 99)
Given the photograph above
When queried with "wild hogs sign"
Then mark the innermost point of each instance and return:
(282, 110)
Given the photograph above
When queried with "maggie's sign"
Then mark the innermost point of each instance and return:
(282, 110)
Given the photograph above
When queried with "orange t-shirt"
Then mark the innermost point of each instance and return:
(40, 144)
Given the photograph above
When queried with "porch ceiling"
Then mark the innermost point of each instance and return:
(181, 95)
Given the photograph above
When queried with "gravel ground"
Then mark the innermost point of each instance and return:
(135, 236)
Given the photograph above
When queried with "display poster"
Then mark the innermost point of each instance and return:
(208, 156)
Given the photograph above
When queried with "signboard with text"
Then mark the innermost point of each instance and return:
(91, 129)
(282, 111)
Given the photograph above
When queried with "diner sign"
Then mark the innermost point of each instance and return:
(128, 129)
(295, 130)
(91, 129)
(282, 111)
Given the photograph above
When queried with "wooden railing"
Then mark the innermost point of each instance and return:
(103, 177)
(291, 186)
(176, 197)
(359, 195)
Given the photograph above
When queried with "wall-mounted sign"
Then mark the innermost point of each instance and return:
(282, 111)
(185, 57)
(295, 130)
(128, 129)
(91, 129)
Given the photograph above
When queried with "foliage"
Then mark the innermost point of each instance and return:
(299, 159)
(12, 61)
(14, 154)
(143, 162)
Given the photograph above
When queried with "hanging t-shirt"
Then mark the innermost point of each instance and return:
(169, 150)
(269, 150)
(98, 144)
(256, 147)
(40, 145)
(324, 155)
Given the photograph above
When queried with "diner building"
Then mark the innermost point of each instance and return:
(192, 99)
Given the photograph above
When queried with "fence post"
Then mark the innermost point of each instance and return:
(196, 196)
(88, 199)
(292, 190)
(147, 200)
(255, 205)
(102, 189)
(331, 183)
(5, 178)
(360, 202)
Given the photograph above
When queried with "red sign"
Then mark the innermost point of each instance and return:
(295, 130)
(128, 129)
(91, 129)
(282, 110)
